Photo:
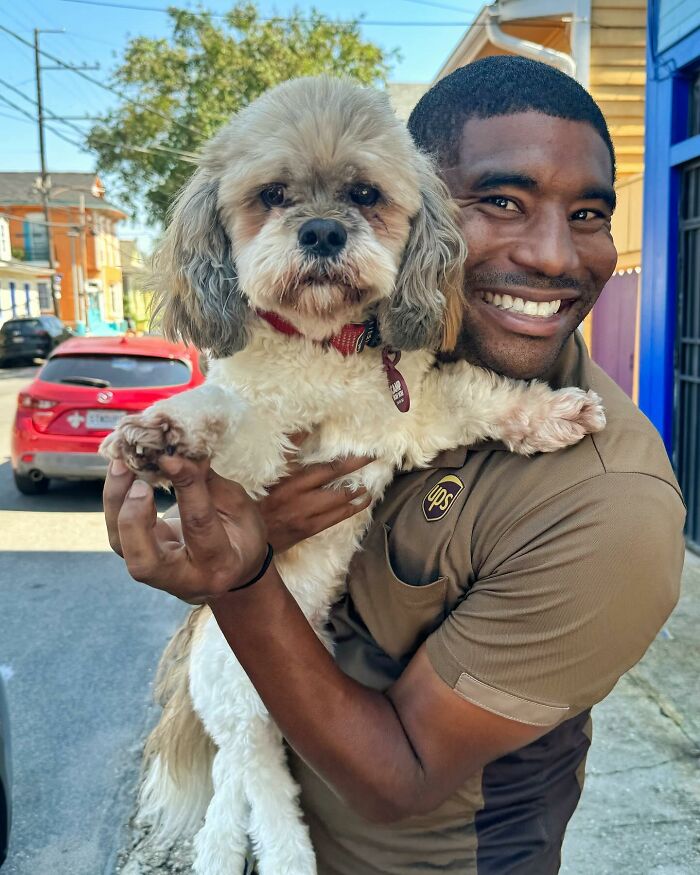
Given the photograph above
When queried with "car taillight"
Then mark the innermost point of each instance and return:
(25, 401)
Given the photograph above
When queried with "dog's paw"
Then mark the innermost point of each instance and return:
(141, 439)
(558, 419)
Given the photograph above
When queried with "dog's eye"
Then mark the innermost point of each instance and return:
(273, 196)
(364, 195)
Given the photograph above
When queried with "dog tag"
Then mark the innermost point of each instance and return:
(397, 384)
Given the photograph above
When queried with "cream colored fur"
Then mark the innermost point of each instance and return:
(223, 258)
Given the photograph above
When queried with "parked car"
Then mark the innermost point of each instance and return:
(30, 337)
(79, 396)
(5, 776)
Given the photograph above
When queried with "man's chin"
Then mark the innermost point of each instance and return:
(517, 357)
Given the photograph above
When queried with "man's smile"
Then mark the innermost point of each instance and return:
(529, 312)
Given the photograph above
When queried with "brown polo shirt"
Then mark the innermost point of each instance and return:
(537, 582)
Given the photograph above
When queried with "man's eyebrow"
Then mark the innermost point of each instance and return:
(603, 193)
(501, 179)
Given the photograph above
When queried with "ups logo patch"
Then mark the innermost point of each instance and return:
(441, 497)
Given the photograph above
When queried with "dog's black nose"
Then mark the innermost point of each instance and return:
(322, 237)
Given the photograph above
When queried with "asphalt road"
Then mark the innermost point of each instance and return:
(79, 642)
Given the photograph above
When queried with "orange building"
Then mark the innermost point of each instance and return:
(82, 236)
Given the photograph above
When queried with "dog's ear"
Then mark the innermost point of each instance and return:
(198, 297)
(425, 310)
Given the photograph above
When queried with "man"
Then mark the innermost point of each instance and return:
(497, 598)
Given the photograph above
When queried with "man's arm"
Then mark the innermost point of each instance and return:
(389, 755)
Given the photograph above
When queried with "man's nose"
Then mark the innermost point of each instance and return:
(547, 246)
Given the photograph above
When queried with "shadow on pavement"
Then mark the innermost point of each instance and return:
(20, 372)
(64, 496)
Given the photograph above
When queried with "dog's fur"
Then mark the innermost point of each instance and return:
(226, 257)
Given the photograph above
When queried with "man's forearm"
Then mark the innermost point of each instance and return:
(349, 734)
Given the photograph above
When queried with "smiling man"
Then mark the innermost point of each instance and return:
(497, 598)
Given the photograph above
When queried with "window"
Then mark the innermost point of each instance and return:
(45, 302)
(27, 327)
(36, 238)
(694, 114)
(117, 371)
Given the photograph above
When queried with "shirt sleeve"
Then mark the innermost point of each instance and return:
(568, 600)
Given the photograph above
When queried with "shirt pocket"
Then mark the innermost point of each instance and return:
(398, 615)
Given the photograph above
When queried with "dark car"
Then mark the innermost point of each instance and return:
(5, 776)
(30, 337)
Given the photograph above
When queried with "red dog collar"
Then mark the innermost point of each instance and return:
(351, 338)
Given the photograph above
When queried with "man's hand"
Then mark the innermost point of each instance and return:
(219, 540)
(218, 543)
(300, 505)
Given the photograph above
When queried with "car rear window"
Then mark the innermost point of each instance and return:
(115, 371)
(25, 326)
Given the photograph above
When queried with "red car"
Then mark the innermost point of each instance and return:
(79, 396)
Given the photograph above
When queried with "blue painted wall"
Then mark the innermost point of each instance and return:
(677, 19)
(667, 148)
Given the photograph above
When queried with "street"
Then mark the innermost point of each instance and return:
(79, 646)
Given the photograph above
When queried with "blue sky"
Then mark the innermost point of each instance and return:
(423, 31)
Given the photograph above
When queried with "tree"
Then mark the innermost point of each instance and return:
(177, 92)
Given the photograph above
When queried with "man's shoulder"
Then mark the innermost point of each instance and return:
(629, 443)
(626, 458)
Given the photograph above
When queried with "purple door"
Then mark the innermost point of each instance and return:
(614, 328)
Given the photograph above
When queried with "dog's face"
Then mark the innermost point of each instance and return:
(314, 203)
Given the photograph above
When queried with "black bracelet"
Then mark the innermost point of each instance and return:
(265, 566)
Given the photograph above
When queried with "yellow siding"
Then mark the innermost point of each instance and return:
(627, 222)
(617, 76)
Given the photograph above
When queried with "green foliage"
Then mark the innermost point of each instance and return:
(201, 75)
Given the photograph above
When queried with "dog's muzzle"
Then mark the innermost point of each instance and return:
(322, 238)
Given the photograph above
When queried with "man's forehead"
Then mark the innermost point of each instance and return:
(533, 144)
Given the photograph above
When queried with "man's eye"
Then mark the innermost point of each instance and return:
(273, 196)
(586, 215)
(503, 203)
(364, 195)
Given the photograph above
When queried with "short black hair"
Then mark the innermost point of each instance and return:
(496, 86)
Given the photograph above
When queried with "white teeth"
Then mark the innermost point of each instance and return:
(542, 309)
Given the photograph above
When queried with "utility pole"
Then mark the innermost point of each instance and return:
(44, 179)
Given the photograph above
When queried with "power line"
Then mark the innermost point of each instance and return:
(109, 88)
(189, 157)
(361, 21)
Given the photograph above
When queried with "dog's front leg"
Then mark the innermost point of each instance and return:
(473, 404)
(191, 423)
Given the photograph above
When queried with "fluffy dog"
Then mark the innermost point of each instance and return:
(313, 248)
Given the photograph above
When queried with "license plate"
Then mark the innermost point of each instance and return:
(103, 420)
(17, 339)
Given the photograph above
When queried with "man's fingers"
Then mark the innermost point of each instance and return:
(339, 513)
(202, 529)
(323, 473)
(139, 545)
(117, 484)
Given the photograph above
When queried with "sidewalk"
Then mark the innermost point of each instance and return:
(640, 810)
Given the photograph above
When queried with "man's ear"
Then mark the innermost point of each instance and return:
(425, 311)
(198, 298)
